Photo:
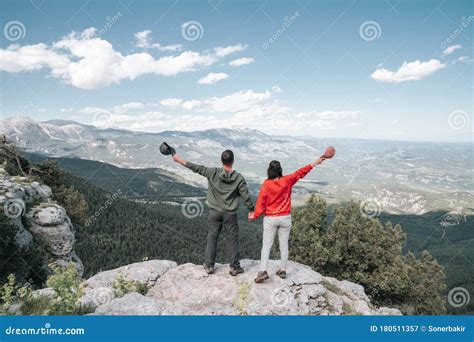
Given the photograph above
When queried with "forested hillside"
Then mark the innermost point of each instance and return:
(151, 184)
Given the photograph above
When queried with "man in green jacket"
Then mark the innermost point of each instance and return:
(225, 188)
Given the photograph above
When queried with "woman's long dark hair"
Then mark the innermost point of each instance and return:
(274, 170)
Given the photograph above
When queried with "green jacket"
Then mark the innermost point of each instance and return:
(224, 188)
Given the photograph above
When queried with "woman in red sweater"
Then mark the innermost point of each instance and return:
(274, 201)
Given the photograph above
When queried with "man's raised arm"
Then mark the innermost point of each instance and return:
(200, 169)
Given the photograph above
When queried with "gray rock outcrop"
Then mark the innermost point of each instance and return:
(38, 219)
(188, 290)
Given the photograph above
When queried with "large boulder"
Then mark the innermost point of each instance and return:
(188, 290)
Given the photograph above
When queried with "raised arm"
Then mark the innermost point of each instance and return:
(199, 169)
(297, 175)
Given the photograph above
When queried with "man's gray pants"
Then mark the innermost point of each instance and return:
(218, 221)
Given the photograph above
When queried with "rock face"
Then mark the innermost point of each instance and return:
(99, 289)
(188, 290)
(38, 219)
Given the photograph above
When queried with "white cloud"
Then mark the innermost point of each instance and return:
(171, 102)
(463, 59)
(412, 71)
(224, 51)
(32, 57)
(94, 110)
(236, 102)
(89, 62)
(124, 108)
(328, 119)
(143, 40)
(191, 104)
(245, 108)
(212, 78)
(450, 49)
(241, 61)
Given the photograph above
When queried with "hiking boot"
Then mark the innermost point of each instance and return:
(208, 269)
(281, 274)
(261, 277)
(235, 271)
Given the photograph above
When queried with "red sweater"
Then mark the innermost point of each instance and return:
(275, 195)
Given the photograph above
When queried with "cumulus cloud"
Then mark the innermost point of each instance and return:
(241, 61)
(143, 40)
(18, 58)
(212, 78)
(89, 62)
(412, 71)
(450, 49)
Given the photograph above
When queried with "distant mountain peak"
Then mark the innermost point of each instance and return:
(62, 122)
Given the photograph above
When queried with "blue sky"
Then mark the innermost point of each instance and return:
(398, 70)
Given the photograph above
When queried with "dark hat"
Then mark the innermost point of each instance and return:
(166, 149)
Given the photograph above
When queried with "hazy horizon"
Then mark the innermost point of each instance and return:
(244, 128)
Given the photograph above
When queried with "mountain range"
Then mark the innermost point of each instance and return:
(389, 176)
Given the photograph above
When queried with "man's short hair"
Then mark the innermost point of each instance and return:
(227, 157)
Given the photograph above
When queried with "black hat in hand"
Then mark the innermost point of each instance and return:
(167, 149)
